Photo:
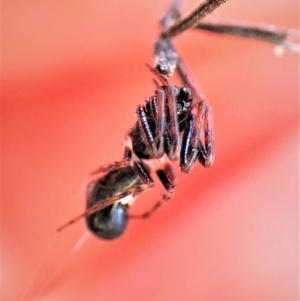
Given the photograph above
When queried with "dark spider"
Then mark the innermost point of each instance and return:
(168, 127)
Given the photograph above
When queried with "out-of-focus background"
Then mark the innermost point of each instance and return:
(72, 75)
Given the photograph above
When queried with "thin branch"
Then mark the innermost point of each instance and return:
(250, 30)
(191, 19)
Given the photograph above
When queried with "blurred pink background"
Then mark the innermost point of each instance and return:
(72, 75)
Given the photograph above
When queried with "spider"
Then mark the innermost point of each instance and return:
(169, 127)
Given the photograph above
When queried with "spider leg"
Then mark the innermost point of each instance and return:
(147, 133)
(206, 152)
(143, 172)
(173, 125)
(151, 106)
(160, 119)
(166, 197)
(171, 105)
(141, 169)
(156, 107)
(170, 92)
(167, 177)
(190, 140)
(192, 147)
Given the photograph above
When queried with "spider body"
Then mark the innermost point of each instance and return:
(168, 129)
(110, 195)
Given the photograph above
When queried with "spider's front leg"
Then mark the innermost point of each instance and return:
(206, 152)
(152, 123)
(156, 108)
(192, 147)
(171, 130)
(146, 129)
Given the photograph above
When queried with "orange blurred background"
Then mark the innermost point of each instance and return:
(72, 75)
